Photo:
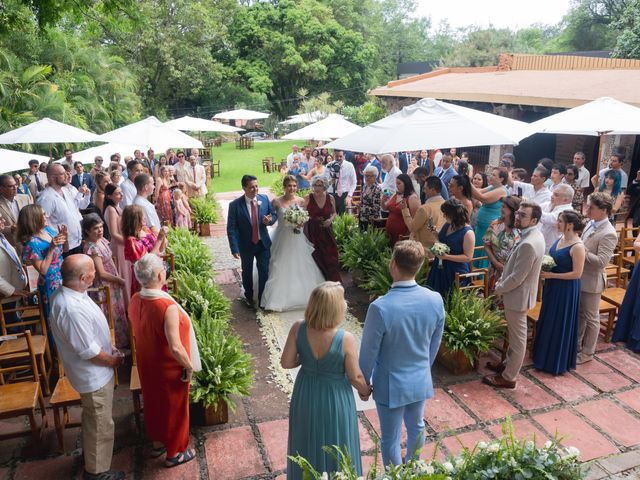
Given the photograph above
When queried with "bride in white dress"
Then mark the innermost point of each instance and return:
(293, 273)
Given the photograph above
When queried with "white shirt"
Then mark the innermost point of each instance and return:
(624, 178)
(290, 158)
(549, 223)
(389, 182)
(346, 178)
(64, 210)
(151, 218)
(555, 185)
(129, 193)
(81, 331)
(584, 177)
(540, 196)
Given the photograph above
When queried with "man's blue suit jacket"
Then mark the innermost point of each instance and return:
(239, 224)
(401, 337)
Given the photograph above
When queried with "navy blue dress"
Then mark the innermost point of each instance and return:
(556, 346)
(443, 279)
(628, 323)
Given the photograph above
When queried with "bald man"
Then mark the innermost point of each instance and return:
(82, 337)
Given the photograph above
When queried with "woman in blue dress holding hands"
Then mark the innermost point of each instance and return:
(628, 324)
(459, 237)
(556, 344)
(491, 207)
(323, 410)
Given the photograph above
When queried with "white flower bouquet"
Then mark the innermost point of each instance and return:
(296, 217)
(548, 263)
(439, 249)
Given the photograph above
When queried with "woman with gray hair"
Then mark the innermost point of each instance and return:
(370, 199)
(166, 355)
(322, 211)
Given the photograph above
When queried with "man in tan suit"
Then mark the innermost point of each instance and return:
(518, 287)
(195, 177)
(600, 239)
(11, 202)
(14, 283)
(428, 220)
(37, 179)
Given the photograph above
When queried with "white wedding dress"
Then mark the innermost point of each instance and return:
(293, 273)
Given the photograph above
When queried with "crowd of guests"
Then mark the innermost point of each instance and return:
(107, 227)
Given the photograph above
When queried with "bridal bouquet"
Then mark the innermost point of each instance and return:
(548, 263)
(440, 249)
(296, 217)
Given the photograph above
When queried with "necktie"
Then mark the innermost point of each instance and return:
(589, 230)
(255, 237)
(340, 182)
(14, 257)
(38, 183)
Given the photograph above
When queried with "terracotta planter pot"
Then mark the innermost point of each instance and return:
(205, 229)
(455, 362)
(207, 416)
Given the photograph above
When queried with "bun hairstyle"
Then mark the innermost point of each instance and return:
(573, 218)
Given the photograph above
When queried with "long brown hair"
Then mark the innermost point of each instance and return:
(30, 222)
(132, 220)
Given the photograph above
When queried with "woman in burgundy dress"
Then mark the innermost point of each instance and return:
(405, 196)
(322, 211)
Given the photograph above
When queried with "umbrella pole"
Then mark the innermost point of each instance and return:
(601, 146)
(50, 155)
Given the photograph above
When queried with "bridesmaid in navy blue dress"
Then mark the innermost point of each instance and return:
(556, 345)
(459, 236)
(628, 323)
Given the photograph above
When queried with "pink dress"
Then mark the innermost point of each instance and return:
(183, 216)
(102, 249)
(113, 217)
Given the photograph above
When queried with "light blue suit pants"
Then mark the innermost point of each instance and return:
(391, 426)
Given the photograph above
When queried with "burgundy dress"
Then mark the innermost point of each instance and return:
(395, 223)
(326, 250)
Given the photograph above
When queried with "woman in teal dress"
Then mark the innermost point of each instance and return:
(556, 346)
(323, 410)
(42, 248)
(458, 236)
(490, 209)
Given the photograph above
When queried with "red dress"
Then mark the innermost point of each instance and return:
(163, 205)
(395, 223)
(324, 243)
(136, 248)
(166, 397)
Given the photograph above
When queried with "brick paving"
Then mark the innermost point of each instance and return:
(595, 408)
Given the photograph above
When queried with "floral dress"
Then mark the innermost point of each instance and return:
(134, 249)
(36, 249)
(369, 204)
(163, 205)
(502, 244)
(578, 197)
(102, 249)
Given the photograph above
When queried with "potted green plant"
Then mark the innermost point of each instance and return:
(343, 227)
(361, 250)
(471, 326)
(204, 214)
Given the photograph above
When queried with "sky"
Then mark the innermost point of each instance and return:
(500, 13)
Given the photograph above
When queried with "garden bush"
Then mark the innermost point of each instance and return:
(190, 254)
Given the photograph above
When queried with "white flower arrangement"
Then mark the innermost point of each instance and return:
(548, 263)
(296, 217)
(439, 249)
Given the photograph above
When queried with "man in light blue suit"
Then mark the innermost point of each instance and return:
(248, 237)
(401, 337)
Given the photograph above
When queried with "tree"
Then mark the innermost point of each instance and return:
(628, 43)
(279, 48)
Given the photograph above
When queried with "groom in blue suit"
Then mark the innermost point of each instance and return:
(402, 333)
(247, 223)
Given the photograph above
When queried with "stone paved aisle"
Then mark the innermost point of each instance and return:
(595, 408)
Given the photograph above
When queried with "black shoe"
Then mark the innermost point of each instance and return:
(249, 303)
(108, 475)
(495, 367)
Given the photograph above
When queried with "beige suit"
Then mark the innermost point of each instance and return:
(199, 180)
(599, 245)
(10, 280)
(518, 286)
(10, 218)
(428, 215)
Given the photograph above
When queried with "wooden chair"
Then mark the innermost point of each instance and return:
(21, 397)
(534, 314)
(478, 280)
(266, 165)
(625, 246)
(134, 382)
(610, 310)
(31, 316)
(482, 256)
(63, 396)
(215, 168)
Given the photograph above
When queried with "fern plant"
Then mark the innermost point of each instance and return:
(190, 254)
(200, 296)
(362, 249)
(343, 227)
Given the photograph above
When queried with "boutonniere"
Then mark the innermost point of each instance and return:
(259, 202)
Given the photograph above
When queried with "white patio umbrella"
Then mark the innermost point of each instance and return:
(47, 131)
(309, 117)
(430, 123)
(193, 124)
(151, 133)
(105, 151)
(241, 114)
(330, 128)
(603, 116)
(13, 160)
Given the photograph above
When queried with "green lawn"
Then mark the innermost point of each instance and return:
(236, 163)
